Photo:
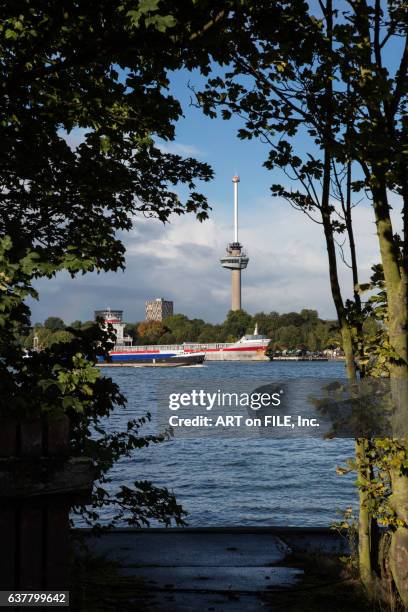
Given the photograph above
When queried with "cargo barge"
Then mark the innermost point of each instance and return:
(134, 358)
(251, 347)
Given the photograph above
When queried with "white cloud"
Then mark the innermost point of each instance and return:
(287, 269)
(178, 148)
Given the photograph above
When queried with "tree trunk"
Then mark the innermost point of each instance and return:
(397, 325)
(368, 533)
(366, 525)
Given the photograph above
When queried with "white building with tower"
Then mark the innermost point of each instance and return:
(236, 259)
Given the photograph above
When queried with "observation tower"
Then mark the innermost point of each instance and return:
(236, 259)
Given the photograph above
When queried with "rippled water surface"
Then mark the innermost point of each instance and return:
(238, 481)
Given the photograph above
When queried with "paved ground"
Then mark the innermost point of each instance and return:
(217, 569)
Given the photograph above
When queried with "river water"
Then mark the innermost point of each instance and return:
(238, 481)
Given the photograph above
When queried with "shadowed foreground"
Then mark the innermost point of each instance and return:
(222, 570)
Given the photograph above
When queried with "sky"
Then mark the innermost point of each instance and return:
(287, 268)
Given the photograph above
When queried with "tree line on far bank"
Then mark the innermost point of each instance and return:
(302, 330)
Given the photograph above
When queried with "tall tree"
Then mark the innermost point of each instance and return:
(377, 140)
(335, 88)
(84, 101)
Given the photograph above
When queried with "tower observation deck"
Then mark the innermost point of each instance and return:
(236, 259)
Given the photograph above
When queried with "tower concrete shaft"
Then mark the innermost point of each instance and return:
(236, 290)
(236, 258)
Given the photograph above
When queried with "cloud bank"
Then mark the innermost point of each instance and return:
(287, 267)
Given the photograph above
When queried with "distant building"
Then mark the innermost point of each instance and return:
(158, 309)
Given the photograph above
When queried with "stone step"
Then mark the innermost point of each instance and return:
(184, 548)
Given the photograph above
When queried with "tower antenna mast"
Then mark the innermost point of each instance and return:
(235, 181)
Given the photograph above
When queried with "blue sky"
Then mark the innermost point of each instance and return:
(180, 261)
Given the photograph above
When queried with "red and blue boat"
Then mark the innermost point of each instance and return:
(251, 347)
